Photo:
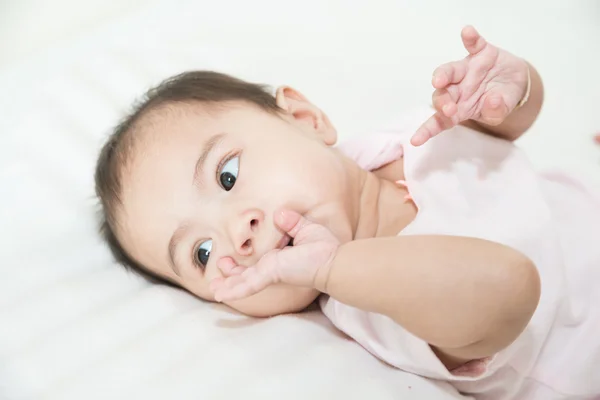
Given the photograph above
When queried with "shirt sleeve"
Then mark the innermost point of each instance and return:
(388, 341)
(384, 145)
(377, 333)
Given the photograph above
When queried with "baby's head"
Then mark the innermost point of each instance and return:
(197, 170)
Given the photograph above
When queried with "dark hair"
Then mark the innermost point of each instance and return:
(206, 87)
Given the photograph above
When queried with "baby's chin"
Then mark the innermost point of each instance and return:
(275, 300)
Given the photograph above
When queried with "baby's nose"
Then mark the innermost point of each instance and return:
(245, 249)
(245, 230)
(228, 267)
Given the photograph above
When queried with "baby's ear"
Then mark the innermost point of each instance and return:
(305, 113)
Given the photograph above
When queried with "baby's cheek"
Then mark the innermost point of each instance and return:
(211, 272)
(198, 282)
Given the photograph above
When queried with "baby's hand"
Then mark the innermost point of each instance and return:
(301, 264)
(486, 86)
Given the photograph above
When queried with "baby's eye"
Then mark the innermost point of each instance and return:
(229, 173)
(203, 253)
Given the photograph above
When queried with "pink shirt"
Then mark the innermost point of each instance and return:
(469, 184)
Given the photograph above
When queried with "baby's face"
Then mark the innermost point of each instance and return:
(205, 184)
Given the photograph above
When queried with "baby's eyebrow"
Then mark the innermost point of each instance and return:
(210, 144)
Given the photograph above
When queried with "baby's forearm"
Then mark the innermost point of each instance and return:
(467, 297)
(520, 120)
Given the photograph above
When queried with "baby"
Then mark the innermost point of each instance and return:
(445, 256)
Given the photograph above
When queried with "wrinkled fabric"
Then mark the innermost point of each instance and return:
(468, 184)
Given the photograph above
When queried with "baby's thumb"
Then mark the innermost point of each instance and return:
(494, 110)
(290, 222)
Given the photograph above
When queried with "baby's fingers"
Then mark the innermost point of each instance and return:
(228, 267)
(494, 110)
(237, 287)
(472, 40)
(443, 103)
(446, 74)
(434, 125)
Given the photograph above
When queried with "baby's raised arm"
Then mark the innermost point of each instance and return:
(490, 90)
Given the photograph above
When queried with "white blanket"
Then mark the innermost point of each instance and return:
(73, 325)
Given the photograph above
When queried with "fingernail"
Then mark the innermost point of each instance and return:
(280, 217)
(495, 102)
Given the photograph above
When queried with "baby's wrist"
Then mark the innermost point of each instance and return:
(321, 281)
(527, 89)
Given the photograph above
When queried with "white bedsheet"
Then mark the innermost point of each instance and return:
(73, 325)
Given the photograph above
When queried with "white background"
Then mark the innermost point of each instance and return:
(372, 44)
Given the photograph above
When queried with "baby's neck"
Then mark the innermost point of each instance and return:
(384, 211)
